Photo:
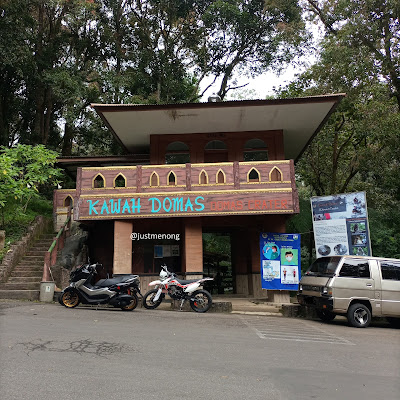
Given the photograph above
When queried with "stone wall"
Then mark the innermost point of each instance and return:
(39, 226)
(73, 254)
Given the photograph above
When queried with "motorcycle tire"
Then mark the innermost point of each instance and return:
(200, 301)
(148, 300)
(70, 298)
(132, 305)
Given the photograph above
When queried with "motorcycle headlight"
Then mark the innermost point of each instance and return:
(300, 288)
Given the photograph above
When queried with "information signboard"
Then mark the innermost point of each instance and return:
(341, 225)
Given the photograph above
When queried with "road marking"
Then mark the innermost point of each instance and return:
(292, 330)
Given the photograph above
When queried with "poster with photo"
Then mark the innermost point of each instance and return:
(280, 261)
(167, 250)
(158, 251)
(341, 224)
(175, 250)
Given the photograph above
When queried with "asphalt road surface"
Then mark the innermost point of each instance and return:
(50, 352)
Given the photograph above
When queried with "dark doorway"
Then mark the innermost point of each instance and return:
(217, 262)
(149, 255)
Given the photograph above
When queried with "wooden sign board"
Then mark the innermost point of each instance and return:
(163, 205)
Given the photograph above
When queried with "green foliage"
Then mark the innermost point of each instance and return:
(217, 244)
(370, 31)
(302, 223)
(23, 170)
(357, 149)
(59, 56)
(249, 36)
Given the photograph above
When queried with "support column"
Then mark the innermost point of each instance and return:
(122, 247)
(255, 274)
(193, 248)
(240, 254)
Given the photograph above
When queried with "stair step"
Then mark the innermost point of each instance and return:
(35, 253)
(42, 249)
(20, 294)
(21, 286)
(25, 279)
(31, 258)
(32, 267)
(27, 273)
(30, 263)
(43, 243)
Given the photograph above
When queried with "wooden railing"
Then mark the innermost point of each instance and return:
(58, 244)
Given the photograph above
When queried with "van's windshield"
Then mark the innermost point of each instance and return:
(324, 266)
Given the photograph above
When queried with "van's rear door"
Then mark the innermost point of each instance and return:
(390, 272)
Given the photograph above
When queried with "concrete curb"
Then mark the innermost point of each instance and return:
(260, 313)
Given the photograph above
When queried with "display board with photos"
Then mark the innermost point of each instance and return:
(341, 225)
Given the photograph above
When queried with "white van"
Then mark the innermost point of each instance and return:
(358, 287)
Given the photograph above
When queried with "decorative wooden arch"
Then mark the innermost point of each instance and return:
(275, 175)
(175, 179)
(71, 202)
(122, 176)
(254, 169)
(95, 178)
(218, 174)
(202, 174)
(154, 175)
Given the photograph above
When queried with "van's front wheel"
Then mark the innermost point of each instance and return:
(359, 315)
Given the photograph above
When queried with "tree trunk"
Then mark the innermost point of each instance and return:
(67, 141)
(47, 117)
(3, 126)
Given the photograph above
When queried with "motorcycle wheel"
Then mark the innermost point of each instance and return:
(70, 299)
(148, 300)
(201, 301)
(132, 305)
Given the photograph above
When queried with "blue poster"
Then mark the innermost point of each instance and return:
(280, 261)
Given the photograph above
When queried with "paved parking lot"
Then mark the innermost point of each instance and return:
(49, 351)
(271, 328)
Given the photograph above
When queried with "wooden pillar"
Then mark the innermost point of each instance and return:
(122, 247)
(193, 248)
(240, 254)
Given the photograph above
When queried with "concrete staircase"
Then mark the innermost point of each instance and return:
(24, 282)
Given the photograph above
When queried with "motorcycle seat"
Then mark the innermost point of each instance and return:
(186, 282)
(112, 281)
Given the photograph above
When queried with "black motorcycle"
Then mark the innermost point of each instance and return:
(119, 291)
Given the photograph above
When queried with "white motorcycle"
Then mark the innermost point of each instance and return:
(199, 299)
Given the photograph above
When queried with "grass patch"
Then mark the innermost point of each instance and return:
(16, 222)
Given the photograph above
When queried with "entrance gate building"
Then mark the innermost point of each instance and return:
(189, 169)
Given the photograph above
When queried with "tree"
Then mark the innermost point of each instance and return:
(23, 170)
(249, 36)
(362, 128)
(58, 56)
(358, 147)
(369, 25)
